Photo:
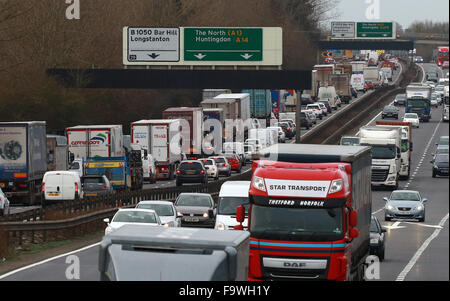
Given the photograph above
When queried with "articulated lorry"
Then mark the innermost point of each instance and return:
(161, 139)
(23, 160)
(386, 154)
(310, 213)
(260, 104)
(418, 100)
(407, 145)
(89, 141)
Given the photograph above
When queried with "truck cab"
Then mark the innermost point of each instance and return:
(386, 154)
(302, 219)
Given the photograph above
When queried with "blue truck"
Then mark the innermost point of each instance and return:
(124, 173)
(23, 160)
(418, 100)
(260, 103)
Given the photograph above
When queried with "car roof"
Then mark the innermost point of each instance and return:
(235, 188)
(410, 191)
(155, 202)
(137, 209)
(194, 193)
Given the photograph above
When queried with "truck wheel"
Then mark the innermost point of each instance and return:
(179, 184)
(387, 219)
(2, 212)
(381, 255)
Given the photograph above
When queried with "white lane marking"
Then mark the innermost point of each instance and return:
(379, 210)
(46, 260)
(415, 258)
(395, 226)
(425, 225)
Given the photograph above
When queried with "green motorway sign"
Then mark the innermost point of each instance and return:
(223, 44)
(375, 30)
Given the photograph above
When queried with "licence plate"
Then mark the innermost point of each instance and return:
(2, 185)
(404, 212)
(190, 172)
(53, 194)
(90, 194)
(191, 219)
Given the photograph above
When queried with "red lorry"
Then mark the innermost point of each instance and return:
(310, 213)
(388, 64)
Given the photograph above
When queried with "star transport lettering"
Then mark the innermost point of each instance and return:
(290, 188)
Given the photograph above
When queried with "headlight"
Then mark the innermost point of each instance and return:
(221, 226)
(258, 183)
(109, 230)
(166, 225)
(205, 215)
(336, 186)
(390, 207)
(374, 240)
(392, 178)
(179, 213)
(419, 208)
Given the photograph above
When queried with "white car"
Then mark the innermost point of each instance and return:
(211, 168)
(123, 217)
(413, 118)
(316, 109)
(323, 108)
(165, 210)
(281, 135)
(4, 204)
(311, 115)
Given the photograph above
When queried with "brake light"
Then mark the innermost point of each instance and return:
(178, 172)
(76, 187)
(150, 165)
(202, 172)
(288, 129)
(43, 187)
(105, 187)
(225, 165)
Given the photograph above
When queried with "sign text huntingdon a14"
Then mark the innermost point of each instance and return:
(223, 44)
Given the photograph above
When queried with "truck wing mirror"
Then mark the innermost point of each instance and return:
(353, 218)
(411, 146)
(354, 233)
(240, 214)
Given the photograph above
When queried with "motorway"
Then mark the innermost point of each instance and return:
(414, 251)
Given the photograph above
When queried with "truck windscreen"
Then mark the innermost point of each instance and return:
(383, 152)
(296, 224)
(417, 103)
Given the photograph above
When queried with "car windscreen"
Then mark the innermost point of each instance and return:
(313, 107)
(296, 224)
(191, 166)
(160, 209)
(194, 201)
(401, 97)
(373, 226)
(411, 116)
(75, 165)
(219, 160)
(350, 141)
(390, 109)
(135, 217)
(443, 141)
(228, 205)
(441, 159)
(417, 103)
(405, 196)
(248, 148)
(207, 162)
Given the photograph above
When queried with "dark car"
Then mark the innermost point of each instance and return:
(440, 165)
(433, 77)
(287, 129)
(327, 105)
(354, 93)
(400, 100)
(377, 238)
(96, 185)
(191, 172)
(305, 121)
(389, 112)
(307, 99)
(196, 209)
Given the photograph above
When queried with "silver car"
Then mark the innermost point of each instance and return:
(165, 210)
(405, 204)
(4, 204)
(222, 165)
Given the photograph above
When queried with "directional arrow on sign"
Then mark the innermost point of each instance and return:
(153, 55)
(394, 226)
(246, 56)
(200, 56)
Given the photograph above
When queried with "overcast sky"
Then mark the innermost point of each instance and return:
(402, 11)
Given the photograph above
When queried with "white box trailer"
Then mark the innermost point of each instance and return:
(87, 141)
(161, 138)
(243, 100)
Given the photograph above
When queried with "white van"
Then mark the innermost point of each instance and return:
(61, 186)
(357, 82)
(329, 93)
(232, 195)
